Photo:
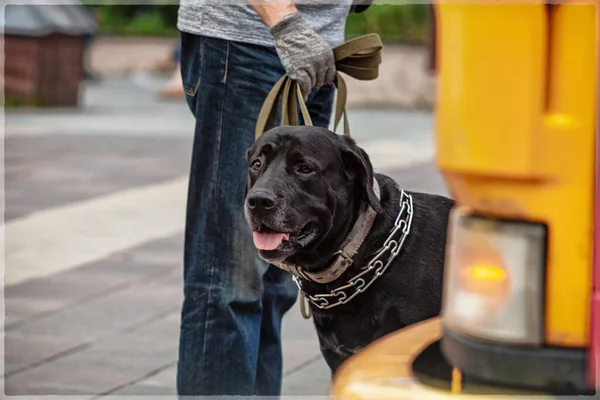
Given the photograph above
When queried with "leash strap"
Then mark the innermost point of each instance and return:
(358, 58)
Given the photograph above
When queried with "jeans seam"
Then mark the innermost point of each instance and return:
(215, 189)
(226, 64)
(194, 91)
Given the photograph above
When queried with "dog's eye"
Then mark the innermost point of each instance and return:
(255, 165)
(304, 169)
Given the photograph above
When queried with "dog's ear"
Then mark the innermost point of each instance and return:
(356, 160)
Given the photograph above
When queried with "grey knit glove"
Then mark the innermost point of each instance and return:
(306, 57)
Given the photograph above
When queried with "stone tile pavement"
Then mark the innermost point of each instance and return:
(109, 325)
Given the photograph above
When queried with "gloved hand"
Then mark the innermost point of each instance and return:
(306, 57)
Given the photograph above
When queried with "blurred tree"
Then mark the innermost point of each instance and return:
(406, 22)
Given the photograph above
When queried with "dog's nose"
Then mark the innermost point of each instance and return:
(261, 201)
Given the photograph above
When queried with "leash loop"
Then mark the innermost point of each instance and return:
(359, 58)
(304, 307)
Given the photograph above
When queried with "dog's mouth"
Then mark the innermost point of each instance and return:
(269, 240)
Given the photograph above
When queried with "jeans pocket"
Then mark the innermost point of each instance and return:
(191, 67)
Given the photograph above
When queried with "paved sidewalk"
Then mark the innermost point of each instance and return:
(93, 227)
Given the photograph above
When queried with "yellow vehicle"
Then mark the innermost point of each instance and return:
(518, 149)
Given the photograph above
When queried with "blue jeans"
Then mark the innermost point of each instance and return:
(230, 339)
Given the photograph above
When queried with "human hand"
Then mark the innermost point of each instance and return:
(307, 58)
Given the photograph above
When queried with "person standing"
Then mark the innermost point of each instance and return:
(173, 88)
(231, 56)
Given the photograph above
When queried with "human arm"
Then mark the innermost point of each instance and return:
(307, 58)
(272, 11)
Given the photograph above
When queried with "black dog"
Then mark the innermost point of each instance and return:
(311, 193)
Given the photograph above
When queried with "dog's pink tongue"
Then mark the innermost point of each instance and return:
(268, 241)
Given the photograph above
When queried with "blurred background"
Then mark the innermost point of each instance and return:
(97, 146)
(396, 23)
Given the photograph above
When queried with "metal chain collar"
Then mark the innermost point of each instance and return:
(378, 264)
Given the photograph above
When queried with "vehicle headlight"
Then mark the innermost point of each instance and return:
(494, 278)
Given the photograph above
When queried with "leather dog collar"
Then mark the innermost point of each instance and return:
(344, 256)
(368, 274)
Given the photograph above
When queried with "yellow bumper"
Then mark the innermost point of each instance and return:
(384, 370)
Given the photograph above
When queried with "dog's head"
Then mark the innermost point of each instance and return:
(305, 188)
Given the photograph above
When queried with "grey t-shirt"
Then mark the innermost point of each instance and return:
(235, 20)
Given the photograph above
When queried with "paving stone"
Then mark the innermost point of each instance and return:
(74, 168)
(299, 340)
(37, 297)
(98, 318)
(23, 351)
(298, 351)
(113, 362)
(161, 384)
(145, 389)
(313, 379)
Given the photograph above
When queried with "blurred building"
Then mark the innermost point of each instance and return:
(44, 53)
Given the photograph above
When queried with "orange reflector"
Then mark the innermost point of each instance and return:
(488, 273)
(484, 279)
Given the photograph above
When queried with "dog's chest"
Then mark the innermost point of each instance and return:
(342, 335)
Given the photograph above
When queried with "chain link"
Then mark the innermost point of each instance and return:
(378, 264)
